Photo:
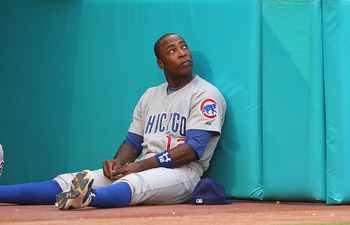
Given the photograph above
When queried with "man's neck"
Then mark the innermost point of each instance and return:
(179, 82)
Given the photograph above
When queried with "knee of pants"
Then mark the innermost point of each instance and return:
(65, 180)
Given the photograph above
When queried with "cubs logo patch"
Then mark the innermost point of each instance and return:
(208, 108)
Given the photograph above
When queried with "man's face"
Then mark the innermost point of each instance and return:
(175, 57)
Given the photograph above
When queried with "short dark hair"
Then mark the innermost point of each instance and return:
(157, 44)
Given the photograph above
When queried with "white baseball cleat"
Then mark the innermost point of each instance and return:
(80, 194)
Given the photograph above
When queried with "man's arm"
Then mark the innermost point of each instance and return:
(180, 155)
(183, 154)
(192, 149)
(125, 154)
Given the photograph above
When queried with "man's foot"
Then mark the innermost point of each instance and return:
(80, 193)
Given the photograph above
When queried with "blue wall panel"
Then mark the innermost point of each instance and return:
(37, 59)
(293, 102)
(237, 162)
(336, 29)
(72, 73)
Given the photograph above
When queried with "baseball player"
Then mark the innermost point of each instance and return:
(176, 127)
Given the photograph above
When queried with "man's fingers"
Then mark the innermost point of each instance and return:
(118, 176)
(104, 167)
(108, 169)
(115, 167)
(118, 173)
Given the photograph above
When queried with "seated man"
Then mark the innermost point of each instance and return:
(176, 126)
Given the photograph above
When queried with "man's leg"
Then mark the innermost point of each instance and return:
(113, 196)
(81, 193)
(41, 193)
(162, 186)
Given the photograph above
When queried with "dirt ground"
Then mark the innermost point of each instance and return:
(236, 213)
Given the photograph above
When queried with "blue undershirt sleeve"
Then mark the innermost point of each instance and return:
(198, 140)
(135, 141)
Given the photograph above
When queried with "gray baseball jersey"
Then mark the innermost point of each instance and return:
(163, 119)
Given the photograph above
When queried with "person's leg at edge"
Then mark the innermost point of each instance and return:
(106, 194)
(40, 193)
(112, 196)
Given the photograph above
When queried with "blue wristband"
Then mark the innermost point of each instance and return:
(164, 160)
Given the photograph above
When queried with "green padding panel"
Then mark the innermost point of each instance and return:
(237, 162)
(37, 66)
(293, 109)
(72, 72)
(337, 91)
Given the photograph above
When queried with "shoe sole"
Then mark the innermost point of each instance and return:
(74, 198)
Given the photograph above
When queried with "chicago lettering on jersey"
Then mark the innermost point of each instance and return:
(163, 122)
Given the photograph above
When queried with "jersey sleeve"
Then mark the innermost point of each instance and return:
(135, 141)
(198, 140)
(207, 110)
(136, 125)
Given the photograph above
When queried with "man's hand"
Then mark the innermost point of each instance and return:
(133, 167)
(124, 161)
(109, 166)
(125, 170)
(125, 154)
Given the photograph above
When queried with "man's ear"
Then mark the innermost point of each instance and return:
(160, 64)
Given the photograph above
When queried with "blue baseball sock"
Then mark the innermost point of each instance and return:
(41, 193)
(113, 196)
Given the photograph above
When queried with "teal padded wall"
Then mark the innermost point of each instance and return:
(37, 62)
(293, 101)
(72, 72)
(237, 162)
(336, 27)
